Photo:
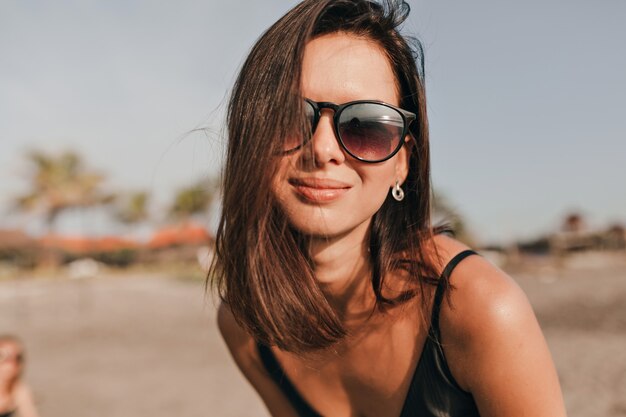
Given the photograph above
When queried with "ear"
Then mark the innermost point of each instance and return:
(402, 161)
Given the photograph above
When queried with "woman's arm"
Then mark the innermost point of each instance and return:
(242, 348)
(495, 347)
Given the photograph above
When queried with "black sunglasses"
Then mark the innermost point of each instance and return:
(368, 130)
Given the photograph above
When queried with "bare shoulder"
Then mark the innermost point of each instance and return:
(483, 301)
(493, 343)
(238, 341)
(242, 347)
(482, 295)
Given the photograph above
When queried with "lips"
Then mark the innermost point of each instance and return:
(319, 190)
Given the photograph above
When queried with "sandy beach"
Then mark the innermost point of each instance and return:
(147, 345)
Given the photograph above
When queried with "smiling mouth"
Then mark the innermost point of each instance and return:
(316, 190)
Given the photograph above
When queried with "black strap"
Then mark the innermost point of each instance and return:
(278, 375)
(441, 289)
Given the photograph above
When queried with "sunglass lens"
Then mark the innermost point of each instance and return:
(370, 131)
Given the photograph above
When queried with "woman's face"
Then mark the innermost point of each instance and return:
(10, 360)
(322, 189)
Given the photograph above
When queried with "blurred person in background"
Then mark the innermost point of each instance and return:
(16, 399)
(338, 293)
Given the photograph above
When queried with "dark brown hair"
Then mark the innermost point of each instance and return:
(261, 268)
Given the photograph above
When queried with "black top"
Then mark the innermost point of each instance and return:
(7, 413)
(433, 391)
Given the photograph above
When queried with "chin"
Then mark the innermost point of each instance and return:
(323, 226)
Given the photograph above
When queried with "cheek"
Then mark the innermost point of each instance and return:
(374, 194)
(379, 181)
(374, 189)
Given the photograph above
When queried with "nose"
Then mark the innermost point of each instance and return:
(324, 143)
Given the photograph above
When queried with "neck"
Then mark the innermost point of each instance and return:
(343, 270)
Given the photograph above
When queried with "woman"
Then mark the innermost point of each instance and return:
(15, 395)
(338, 295)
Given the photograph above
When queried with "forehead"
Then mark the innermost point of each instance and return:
(341, 67)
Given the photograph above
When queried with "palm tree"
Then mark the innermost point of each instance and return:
(194, 199)
(132, 208)
(58, 183)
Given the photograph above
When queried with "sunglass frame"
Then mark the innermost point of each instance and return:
(407, 118)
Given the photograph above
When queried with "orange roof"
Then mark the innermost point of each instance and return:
(85, 244)
(179, 235)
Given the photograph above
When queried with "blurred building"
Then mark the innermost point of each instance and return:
(575, 235)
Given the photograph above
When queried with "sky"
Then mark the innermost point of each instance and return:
(526, 100)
